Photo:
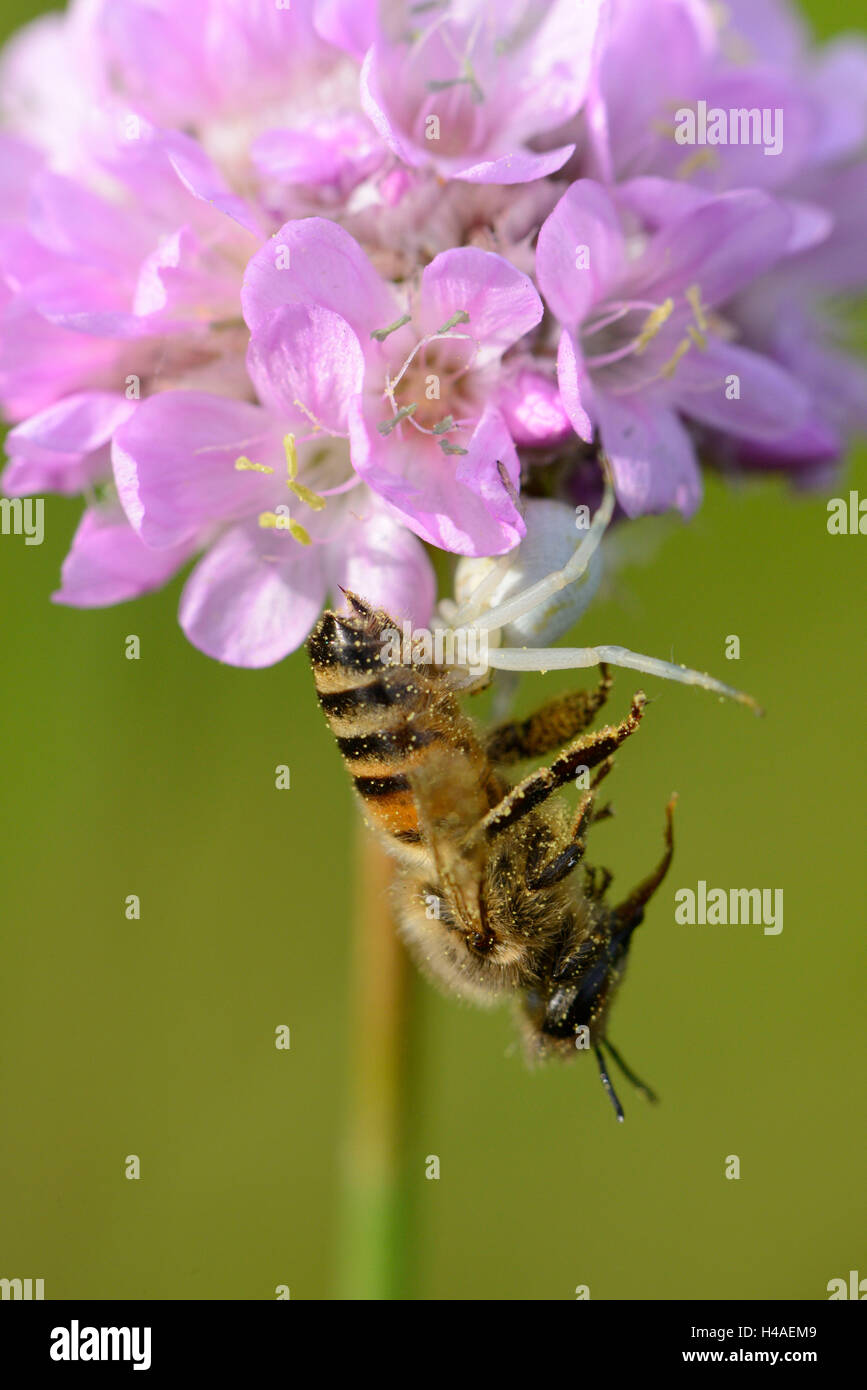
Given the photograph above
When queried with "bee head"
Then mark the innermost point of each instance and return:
(576, 997)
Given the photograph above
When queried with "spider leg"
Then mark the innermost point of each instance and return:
(571, 658)
(536, 594)
(475, 602)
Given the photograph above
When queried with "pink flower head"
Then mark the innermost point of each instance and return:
(271, 280)
(414, 381)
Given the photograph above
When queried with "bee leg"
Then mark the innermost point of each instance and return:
(606, 1082)
(630, 912)
(585, 753)
(598, 880)
(550, 727)
(563, 863)
(629, 1073)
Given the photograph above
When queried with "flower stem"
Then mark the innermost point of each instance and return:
(375, 1216)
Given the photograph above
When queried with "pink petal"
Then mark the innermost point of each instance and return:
(500, 300)
(651, 455)
(575, 388)
(657, 201)
(76, 223)
(533, 410)
(174, 463)
(40, 362)
(62, 449)
(771, 403)
(381, 560)
(521, 166)
(580, 252)
(305, 353)
(552, 68)
(456, 502)
(338, 151)
(720, 246)
(200, 176)
(175, 280)
(348, 24)
(326, 266)
(108, 563)
(156, 53)
(253, 597)
(18, 163)
(378, 63)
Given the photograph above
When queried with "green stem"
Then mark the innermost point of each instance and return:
(375, 1215)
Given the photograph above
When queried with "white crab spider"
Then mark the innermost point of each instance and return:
(537, 601)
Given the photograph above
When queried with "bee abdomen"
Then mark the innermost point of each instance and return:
(335, 641)
(385, 749)
(372, 710)
(390, 806)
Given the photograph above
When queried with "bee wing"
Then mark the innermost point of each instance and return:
(437, 785)
(445, 788)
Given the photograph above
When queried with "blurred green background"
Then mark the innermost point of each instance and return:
(156, 1037)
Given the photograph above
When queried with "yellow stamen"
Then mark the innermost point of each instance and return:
(245, 465)
(670, 367)
(270, 521)
(291, 453)
(317, 424)
(652, 324)
(461, 316)
(698, 338)
(306, 494)
(702, 159)
(693, 297)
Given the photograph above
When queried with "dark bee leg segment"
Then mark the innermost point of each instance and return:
(630, 912)
(629, 1073)
(598, 881)
(564, 862)
(606, 1082)
(558, 868)
(587, 752)
(550, 727)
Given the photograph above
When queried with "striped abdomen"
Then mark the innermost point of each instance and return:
(389, 721)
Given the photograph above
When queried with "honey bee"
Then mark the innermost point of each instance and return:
(483, 892)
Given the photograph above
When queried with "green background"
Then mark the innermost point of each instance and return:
(156, 1037)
